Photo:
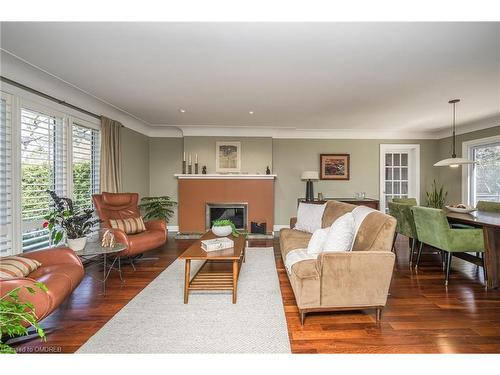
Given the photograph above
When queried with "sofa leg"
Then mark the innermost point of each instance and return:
(302, 317)
(379, 314)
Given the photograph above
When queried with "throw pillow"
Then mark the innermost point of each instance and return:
(13, 266)
(309, 217)
(341, 234)
(132, 225)
(317, 241)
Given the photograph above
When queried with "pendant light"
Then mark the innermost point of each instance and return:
(453, 162)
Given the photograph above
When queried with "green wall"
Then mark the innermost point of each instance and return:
(165, 156)
(135, 162)
(256, 152)
(150, 163)
(292, 156)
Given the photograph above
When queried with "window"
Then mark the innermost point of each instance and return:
(43, 151)
(42, 148)
(85, 160)
(482, 179)
(5, 175)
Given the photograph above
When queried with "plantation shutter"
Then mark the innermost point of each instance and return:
(6, 219)
(85, 160)
(43, 167)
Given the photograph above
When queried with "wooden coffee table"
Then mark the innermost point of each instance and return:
(220, 270)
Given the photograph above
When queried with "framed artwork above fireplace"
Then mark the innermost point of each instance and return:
(228, 157)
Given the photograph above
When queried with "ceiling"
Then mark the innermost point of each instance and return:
(305, 76)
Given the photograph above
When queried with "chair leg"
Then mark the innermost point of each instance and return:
(419, 254)
(443, 258)
(448, 266)
(412, 250)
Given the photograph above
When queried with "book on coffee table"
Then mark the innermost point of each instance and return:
(217, 244)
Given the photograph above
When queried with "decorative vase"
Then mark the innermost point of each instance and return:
(222, 231)
(77, 244)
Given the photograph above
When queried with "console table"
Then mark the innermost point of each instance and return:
(372, 203)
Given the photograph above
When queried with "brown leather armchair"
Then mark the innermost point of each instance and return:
(61, 271)
(123, 206)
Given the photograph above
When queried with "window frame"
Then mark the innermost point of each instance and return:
(19, 99)
(468, 170)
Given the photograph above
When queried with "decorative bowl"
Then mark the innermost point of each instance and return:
(466, 210)
(222, 231)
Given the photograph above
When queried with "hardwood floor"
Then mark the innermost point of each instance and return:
(422, 315)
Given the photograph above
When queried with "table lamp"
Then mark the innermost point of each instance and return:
(310, 176)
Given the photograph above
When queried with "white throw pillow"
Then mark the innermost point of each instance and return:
(309, 217)
(341, 234)
(317, 241)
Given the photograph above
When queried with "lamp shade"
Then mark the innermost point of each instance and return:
(453, 162)
(310, 175)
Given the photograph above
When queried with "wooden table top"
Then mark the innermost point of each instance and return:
(478, 218)
(195, 252)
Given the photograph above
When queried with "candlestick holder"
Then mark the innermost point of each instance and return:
(195, 168)
(183, 167)
(190, 169)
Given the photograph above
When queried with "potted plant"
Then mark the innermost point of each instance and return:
(65, 220)
(16, 316)
(437, 197)
(157, 207)
(224, 227)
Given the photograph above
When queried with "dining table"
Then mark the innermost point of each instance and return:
(490, 224)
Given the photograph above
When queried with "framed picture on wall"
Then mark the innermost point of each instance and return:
(334, 166)
(228, 157)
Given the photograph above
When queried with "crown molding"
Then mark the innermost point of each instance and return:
(281, 133)
(481, 124)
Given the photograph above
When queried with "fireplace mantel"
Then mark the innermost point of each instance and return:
(228, 176)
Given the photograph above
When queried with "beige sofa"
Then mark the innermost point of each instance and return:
(337, 281)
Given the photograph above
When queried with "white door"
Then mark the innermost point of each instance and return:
(399, 173)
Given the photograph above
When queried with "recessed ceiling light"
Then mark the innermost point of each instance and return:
(182, 110)
(251, 112)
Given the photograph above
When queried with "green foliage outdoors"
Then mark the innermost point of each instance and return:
(36, 179)
(157, 207)
(436, 198)
(17, 316)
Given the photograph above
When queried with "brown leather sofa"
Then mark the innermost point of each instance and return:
(123, 206)
(61, 271)
(337, 281)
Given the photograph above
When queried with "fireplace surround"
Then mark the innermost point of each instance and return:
(236, 212)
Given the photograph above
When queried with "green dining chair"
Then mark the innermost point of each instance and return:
(412, 201)
(488, 206)
(405, 224)
(433, 229)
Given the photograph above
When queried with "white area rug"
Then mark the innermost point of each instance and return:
(157, 320)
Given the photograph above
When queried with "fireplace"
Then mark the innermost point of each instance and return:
(236, 212)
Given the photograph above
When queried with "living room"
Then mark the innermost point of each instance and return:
(250, 187)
